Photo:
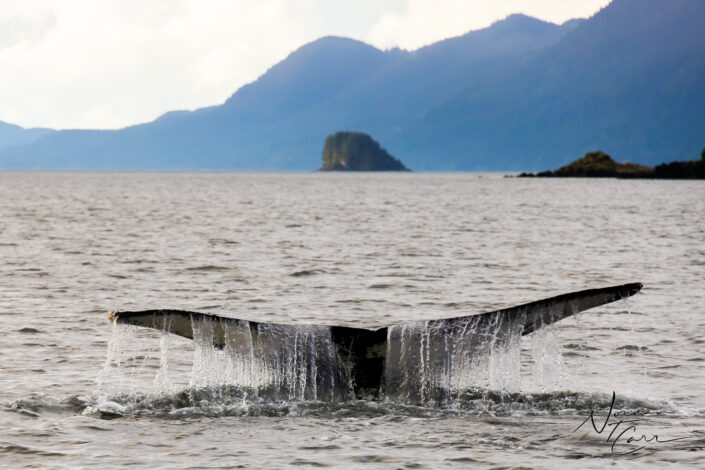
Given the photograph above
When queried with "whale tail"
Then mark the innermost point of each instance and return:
(361, 354)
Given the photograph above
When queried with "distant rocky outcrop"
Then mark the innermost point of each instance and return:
(599, 164)
(356, 151)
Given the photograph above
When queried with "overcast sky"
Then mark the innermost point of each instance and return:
(112, 63)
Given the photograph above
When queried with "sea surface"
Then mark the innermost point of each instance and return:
(363, 250)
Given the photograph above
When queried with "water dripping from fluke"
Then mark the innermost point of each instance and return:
(437, 363)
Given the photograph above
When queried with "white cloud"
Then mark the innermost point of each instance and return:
(423, 22)
(111, 63)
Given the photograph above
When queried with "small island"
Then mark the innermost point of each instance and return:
(356, 151)
(600, 165)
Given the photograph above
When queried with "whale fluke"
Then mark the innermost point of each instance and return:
(362, 352)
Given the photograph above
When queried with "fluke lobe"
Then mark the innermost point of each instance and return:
(371, 363)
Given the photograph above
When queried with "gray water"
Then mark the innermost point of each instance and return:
(357, 250)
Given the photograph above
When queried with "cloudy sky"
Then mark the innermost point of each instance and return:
(112, 63)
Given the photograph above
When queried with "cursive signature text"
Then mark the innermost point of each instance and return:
(624, 431)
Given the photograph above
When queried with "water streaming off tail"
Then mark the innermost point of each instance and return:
(130, 363)
(161, 380)
(272, 362)
(639, 347)
(547, 368)
(283, 362)
(206, 360)
(431, 362)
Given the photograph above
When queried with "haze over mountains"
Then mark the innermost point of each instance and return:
(520, 95)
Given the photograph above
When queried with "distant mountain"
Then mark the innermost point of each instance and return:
(522, 94)
(631, 80)
(12, 135)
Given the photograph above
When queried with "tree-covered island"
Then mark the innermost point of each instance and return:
(599, 164)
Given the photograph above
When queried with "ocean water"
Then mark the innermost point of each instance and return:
(363, 250)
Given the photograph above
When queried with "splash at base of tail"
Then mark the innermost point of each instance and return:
(370, 363)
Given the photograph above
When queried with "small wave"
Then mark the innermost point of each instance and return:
(581, 347)
(227, 401)
(222, 241)
(7, 448)
(208, 267)
(501, 403)
(632, 347)
(35, 404)
(307, 272)
(28, 330)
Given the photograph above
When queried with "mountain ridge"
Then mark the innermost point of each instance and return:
(557, 91)
(13, 135)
